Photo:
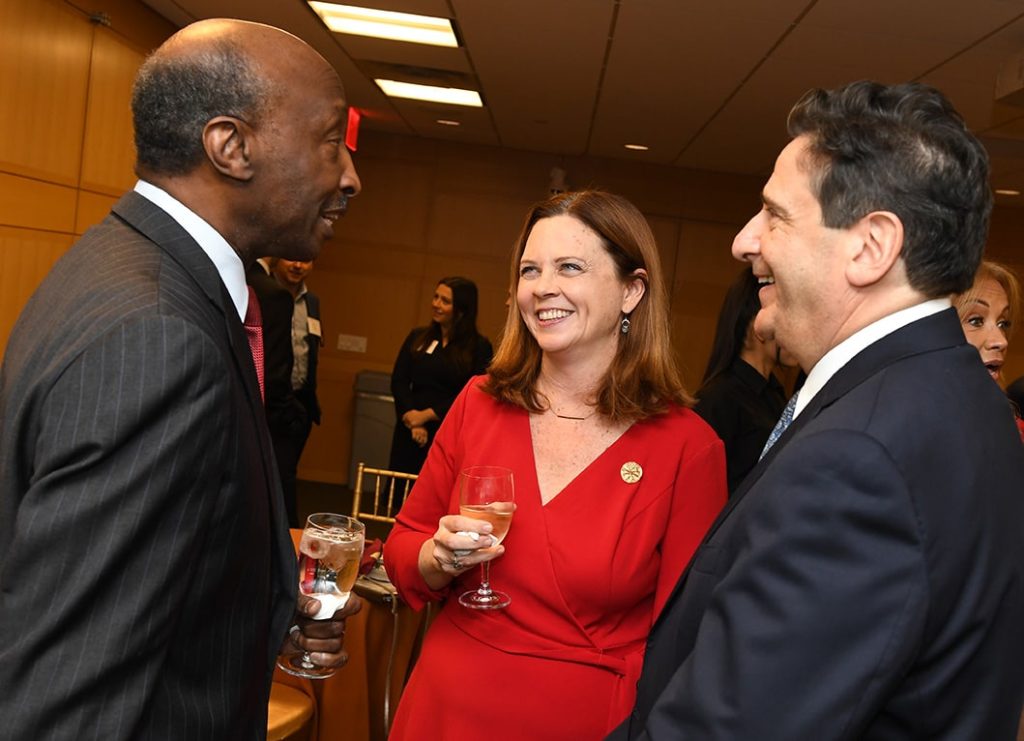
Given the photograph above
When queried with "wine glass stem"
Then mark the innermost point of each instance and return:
(485, 582)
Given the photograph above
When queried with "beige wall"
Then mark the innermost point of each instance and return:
(429, 208)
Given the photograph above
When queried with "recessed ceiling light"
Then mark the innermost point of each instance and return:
(637, 147)
(1007, 192)
(449, 95)
(448, 122)
(385, 24)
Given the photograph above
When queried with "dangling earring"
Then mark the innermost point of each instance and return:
(624, 325)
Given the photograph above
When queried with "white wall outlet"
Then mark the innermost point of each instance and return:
(351, 343)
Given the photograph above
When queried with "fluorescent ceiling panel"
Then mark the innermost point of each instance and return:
(386, 24)
(448, 95)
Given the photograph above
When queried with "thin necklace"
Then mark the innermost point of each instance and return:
(569, 416)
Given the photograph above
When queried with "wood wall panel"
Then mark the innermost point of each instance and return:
(705, 270)
(666, 237)
(50, 55)
(397, 209)
(366, 298)
(109, 152)
(519, 177)
(327, 454)
(357, 309)
(25, 202)
(92, 209)
(135, 23)
(44, 68)
(653, 189)
(26, 256)
(474, 224)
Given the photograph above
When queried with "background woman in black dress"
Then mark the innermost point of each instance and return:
(432, 367)
(740, 397)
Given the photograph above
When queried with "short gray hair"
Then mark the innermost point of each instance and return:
(175, 95)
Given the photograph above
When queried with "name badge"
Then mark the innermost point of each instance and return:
(431, 347)
(313, 326)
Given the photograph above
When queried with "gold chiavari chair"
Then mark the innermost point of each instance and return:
(390, 489)
(379, 494)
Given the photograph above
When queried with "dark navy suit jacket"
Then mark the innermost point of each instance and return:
(867, 579)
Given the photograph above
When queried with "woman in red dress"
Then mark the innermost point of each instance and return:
(988, 311)
(616, 482)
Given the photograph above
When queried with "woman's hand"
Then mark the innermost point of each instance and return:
(453, 551)
(418, 417)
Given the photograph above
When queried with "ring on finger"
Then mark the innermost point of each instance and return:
(456, 564)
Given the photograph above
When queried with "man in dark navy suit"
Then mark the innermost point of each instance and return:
(147, 577)
(867, 579)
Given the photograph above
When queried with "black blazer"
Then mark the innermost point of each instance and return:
(422, 380)
(147, 578)
(867, 579)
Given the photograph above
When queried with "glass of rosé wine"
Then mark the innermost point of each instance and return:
(329, 555)
(486, 493)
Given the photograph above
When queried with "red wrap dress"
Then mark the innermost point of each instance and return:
(587, 573)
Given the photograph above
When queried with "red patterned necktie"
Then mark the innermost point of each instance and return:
(254, 332)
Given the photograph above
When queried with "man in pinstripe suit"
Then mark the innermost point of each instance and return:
(147, 579)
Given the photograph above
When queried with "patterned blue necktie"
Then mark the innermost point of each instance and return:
(781, 425)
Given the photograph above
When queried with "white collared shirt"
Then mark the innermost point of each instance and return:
(833, 361)
(225, 259)
(300, 345)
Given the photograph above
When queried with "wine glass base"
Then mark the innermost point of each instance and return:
(477, 601)
(297, 667)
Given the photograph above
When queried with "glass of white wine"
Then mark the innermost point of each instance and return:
(329, 555)
(486, 493)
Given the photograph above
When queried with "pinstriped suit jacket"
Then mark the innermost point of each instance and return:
(146, 574)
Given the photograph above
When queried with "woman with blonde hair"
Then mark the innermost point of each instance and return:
(616, 482)
(988, 313)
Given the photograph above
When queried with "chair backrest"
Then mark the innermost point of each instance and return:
(389, 490)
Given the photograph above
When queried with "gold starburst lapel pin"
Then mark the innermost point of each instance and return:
(631, 472)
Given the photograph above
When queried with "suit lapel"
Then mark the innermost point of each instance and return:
(156, 225)
(936, 332)
(168, 235)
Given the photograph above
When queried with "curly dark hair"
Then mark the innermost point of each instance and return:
(904, 149)
(175, 95)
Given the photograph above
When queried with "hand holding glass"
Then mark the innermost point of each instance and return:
(486, 493)
(329, 555)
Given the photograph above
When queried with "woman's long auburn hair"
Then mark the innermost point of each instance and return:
(643, 379)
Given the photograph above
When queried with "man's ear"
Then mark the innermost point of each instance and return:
(227, 145)
(879, 245)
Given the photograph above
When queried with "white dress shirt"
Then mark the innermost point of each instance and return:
(844, 352)
(225, 259)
